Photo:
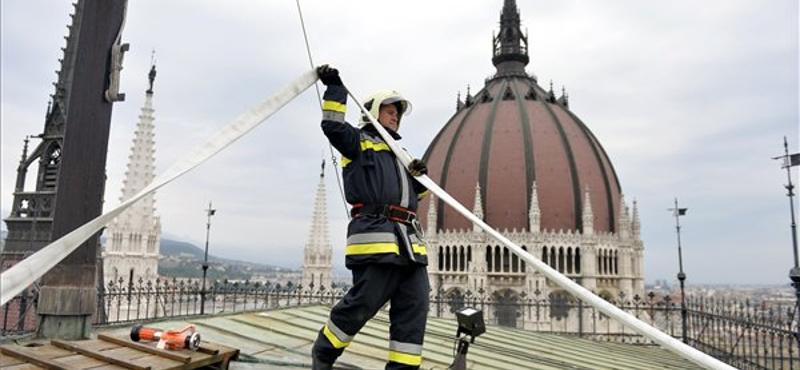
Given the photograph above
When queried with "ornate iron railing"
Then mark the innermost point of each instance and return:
(743, 334)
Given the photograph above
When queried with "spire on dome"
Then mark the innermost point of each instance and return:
(431, 226)
(510, 46)
(588, 214)
(534, 212)
(477, 208)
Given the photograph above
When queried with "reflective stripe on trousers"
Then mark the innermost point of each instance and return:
(405, 353)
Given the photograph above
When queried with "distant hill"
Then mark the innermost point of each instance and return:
(183, 259)
(171, 247)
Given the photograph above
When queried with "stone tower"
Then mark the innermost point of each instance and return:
(71, 176)
(133, 239)
(318, 251)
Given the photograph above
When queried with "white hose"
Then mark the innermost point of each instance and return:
(27, 271)
(584, 294)
(17, 278)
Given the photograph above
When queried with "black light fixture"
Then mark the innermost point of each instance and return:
(470, 323)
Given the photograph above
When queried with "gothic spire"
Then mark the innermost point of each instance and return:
(477, 208)
(141, 166)
(318, 250)
(133, 239)
(534, 212)
(67, 62)
(588, 214)
(510, 54)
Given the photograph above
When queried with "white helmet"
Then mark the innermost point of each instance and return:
(384, 97)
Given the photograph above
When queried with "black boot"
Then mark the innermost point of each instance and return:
(319, 365)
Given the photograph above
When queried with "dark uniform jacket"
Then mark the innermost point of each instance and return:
(373, 176)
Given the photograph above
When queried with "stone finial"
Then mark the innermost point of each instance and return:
(635, 223)
(588, 215)
(477, 208)
(431, 224)
(534, 213)
(624, 218)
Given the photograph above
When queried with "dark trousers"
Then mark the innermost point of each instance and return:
(373, 285)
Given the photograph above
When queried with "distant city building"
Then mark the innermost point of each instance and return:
(133, 239)
(527, 165)
(318, 251)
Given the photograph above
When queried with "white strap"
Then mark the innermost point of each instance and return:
(26, 272)
(584, 294)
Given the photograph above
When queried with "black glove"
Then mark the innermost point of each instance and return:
(417, 168)
(329, 75)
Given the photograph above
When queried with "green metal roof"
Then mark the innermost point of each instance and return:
(282, 339)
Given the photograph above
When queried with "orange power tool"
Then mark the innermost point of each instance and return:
(171, 339)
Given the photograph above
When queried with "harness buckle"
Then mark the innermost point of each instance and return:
(400, 214)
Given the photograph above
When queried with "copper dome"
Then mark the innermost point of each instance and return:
(511, 134)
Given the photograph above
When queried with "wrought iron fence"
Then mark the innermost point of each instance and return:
(121, 302)
(745, 335)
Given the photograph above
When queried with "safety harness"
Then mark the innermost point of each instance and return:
(392, 212)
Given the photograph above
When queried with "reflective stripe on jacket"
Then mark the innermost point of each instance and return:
(372, 175)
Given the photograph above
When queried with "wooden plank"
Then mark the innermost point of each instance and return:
(28, 356)
(145, 348)
(144, 359)
(22, 366)
(6, 361)
(97, 355)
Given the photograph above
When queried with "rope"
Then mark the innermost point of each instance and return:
(26, 272)
(319, 99)
(575, 289)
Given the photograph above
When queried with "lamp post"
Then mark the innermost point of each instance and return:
(209, 212)
(790, 161)
(677, 211)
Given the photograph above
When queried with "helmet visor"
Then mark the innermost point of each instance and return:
(404, 105)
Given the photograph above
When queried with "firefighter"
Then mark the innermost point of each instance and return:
(385, 250)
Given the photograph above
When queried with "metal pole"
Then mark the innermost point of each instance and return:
(681, 274)
(794, 273)
(209, 212)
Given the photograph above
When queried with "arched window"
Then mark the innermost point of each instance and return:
(561, 259)
(447, 260)
(462, 259)
(522, 263)
(506, 260)
(577, 260)
(544, 256)
(600, 262)
(616, 262)
(553, 257)
(498, 263)
(441, 259)
(489, 265)
(569, 260)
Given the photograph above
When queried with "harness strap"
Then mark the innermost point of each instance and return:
(390, 211)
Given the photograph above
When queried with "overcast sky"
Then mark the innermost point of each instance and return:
(690, 99)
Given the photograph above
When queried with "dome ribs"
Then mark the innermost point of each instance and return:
(601, 157)
(573, 171)
(440, 208)
(530, 162)
(486, 145)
